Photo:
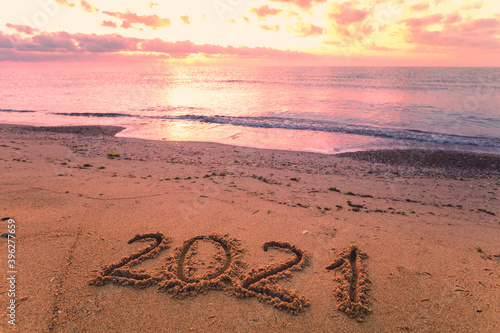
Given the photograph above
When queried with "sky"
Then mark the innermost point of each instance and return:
(251, 32)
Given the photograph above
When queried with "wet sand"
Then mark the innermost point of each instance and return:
(202, 237)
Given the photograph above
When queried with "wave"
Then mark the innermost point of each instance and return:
(21, 111)
(321, 126)
(94, 114)
(343, 84)
(335, 127)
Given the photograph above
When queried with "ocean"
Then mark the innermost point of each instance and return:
(320, 109)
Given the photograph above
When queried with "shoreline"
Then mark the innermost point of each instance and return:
(420, 239)
(483, 164)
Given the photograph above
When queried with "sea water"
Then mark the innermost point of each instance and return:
(323, 109)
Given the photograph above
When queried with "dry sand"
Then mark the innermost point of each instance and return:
(234, 239)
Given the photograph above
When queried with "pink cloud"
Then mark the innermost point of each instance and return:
(128, 19)
(303, 4)
(43, 42)
(453, 18)
(420, 7)
(349, 22)
(52, 42)
(264, 11)
(266, 27)
(5, 41)
(308, 30)
(489, 23)
(424, 21)
(188, 47)
(474, 34)
(332, 42)
(473, 5)
(345, 14)
(160, 46)
(88, 7)
(379, 48)
(23, 29)
(63, 42)
(63, 46)
(109, 24)
(185, 19)
(65, 3)
(246, 19)
(105, 43)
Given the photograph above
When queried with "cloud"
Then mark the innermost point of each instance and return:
(109, 24)
(489, 24)
(184, 48)
(307, 30)
(266, 27)
(303, 4)
(460, 36)
(420, 7)
(345, 14)
(246, 19)
(264, 11)
(43, 42)
(185, 19)
(65, 3)
(63, 42)
(348, 22)
(177, 48)
(52, 42)
(152, 4)
(128, 19)
(375, 47)
(424, 21)
(63, 46)
(88, 7)
(105, 43)
(5, 41)
(23, 29)
(453, 18)
(473, 5)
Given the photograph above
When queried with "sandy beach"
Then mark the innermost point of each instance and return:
(235, 239)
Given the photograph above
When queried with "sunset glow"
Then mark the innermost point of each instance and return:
(240, 32)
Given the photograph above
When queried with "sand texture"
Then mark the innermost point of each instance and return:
(352, 291)
(124, 235)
